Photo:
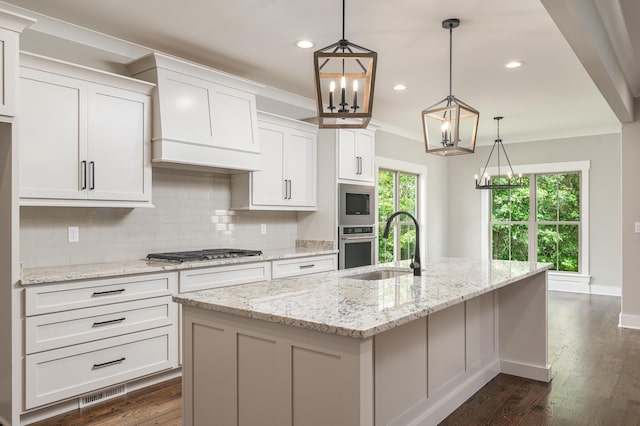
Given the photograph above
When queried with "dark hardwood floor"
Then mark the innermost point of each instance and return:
(595, 367)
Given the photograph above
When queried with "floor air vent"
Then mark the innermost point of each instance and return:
(102, 395)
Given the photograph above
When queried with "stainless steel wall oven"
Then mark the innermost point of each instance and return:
(356, 230)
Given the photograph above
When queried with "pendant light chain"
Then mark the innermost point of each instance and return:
(450, 60)
(343, 14)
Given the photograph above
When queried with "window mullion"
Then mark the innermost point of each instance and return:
(396, 205)
(533, 218)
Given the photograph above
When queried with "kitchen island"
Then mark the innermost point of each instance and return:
(333, 348)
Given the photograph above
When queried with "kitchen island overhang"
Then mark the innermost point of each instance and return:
(330, 349)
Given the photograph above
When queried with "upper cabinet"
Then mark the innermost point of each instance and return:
(287, 180)
(84, 136)
(356, 152)
(201, 116)
(11, 25)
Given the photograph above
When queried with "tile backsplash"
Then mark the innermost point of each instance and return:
(191, 212)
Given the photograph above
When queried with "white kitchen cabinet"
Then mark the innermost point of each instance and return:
(84, 136)
(356, 152)
(303, 266)
(287, 180)
(224, 275)
(85, 335)
(201, 116)
(11, 25)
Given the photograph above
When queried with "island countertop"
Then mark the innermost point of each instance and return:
(336, 303)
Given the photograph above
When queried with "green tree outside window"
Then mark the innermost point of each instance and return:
(396, 191)
(554, 231)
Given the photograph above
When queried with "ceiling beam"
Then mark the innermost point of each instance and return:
(583, 28)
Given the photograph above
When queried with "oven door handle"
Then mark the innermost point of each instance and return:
(368, 237)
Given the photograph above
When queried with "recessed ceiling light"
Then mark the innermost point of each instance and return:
(305, 44)
(514, 64)
(399, 87)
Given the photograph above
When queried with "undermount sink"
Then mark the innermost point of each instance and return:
(381, 274)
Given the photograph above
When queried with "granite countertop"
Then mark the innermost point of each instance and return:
(335, 303)
(112, 269)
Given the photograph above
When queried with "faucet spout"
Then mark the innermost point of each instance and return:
(415, 264)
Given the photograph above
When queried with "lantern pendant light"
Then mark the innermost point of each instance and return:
(353, 68)
(501, 181)
(450, 126)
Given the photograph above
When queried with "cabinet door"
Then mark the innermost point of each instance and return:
(52, 134)
(300, 168)
(366, 152)
(8, 71)
(184, 108)
(119, 164)
(347, 154)
(234, 119)
(268, 184)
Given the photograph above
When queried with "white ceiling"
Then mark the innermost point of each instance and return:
(550, 96)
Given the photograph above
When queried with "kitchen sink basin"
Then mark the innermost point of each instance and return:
(381, 274)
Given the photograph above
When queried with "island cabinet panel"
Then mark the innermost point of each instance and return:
(421, 367)
(446, 348)
(240, 371)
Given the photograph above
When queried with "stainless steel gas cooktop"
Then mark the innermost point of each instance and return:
(207, 254)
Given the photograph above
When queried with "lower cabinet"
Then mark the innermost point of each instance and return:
(85, 335)
(81, 336)
(303, 266)
(71, 371)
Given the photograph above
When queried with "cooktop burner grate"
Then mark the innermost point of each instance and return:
(208, 254)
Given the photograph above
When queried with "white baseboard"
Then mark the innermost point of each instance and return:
(528, 371)
(580, 284)
(629, 321)
(449, 403)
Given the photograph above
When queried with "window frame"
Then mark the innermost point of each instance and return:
(420, 171)
(557, 279)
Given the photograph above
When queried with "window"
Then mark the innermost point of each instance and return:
(540, 221)
(396, 191)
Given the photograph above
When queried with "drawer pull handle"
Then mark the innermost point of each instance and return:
(108, 363)
(113, 321)
(107, 293)
(307, 266)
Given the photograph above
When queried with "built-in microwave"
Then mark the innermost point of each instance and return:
(357, 205)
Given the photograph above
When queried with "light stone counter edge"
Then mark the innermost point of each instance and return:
(54, 274)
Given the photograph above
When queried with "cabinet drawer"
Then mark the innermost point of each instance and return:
(83, 294)
(221, 276)
(302, 266)
(52, 331)
(68, 372)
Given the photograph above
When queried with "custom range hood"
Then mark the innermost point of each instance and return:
(201, 117)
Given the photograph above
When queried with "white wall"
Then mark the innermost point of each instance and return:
(191, 212)
(403, 149)
(605, 197)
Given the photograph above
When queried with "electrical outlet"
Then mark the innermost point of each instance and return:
(637, 227)
(73, 234)
(263, 228)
